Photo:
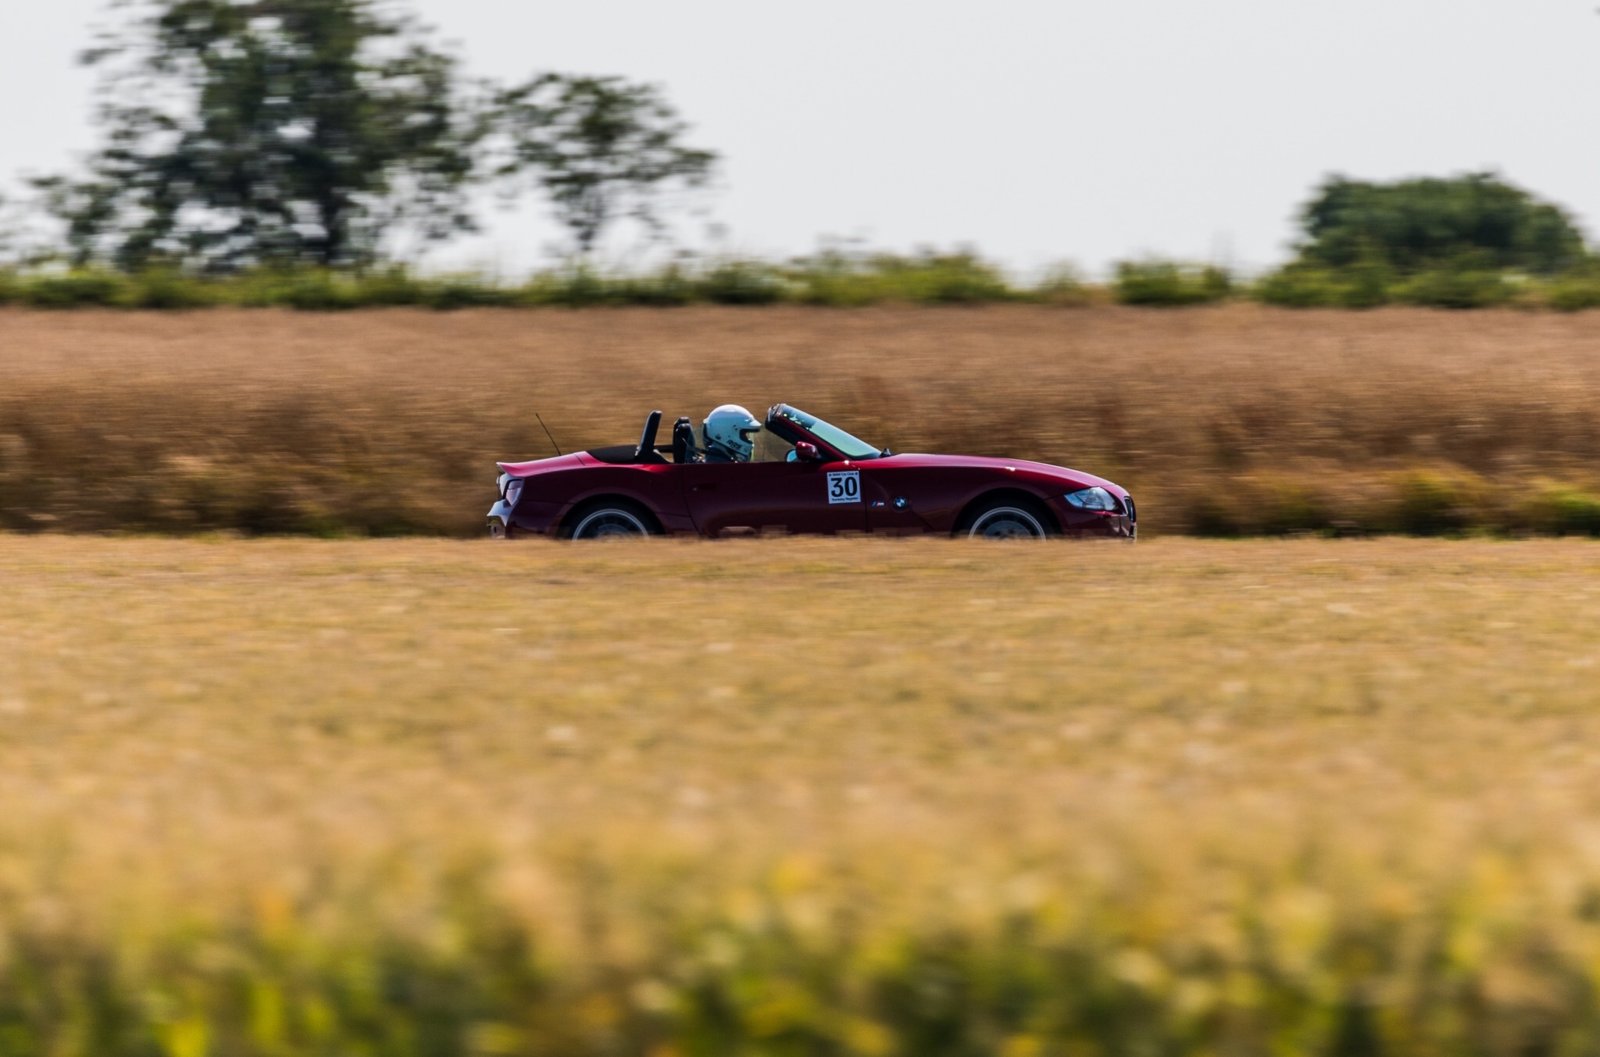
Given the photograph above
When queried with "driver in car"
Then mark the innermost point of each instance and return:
(730, 434)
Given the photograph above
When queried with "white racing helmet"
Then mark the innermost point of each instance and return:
(730, 433)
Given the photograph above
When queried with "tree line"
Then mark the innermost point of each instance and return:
(315, 141)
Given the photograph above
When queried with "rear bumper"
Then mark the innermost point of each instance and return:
(499, 520)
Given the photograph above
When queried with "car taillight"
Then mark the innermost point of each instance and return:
(514, 490)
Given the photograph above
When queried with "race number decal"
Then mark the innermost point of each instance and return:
(844, 487)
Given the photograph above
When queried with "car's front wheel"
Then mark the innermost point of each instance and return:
(1007, 520)
(610, 521)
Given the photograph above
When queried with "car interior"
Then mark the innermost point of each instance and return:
(771, 445)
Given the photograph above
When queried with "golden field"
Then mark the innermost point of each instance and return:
(798, 797)
(1230, 420)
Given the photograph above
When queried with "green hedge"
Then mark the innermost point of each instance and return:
(1455, 289)
(1574, 293)
(1300, 286)
(1171, 284)
(1464, 287)
(828, 280)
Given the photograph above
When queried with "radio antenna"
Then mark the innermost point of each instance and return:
(547, 433)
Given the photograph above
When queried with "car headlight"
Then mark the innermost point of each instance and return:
(1096, 498)
(514, 490)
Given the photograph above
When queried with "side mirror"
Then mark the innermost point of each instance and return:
(806, 451)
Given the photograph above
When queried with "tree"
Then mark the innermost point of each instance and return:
(243, 132)
(602, 149)
(1475, 221)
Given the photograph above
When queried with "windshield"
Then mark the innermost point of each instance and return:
(831, 435)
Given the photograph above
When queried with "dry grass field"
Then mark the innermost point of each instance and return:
(805, 797)
(1236, 419)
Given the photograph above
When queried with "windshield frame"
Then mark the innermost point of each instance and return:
(842, 443)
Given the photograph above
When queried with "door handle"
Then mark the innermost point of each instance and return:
(703, 488)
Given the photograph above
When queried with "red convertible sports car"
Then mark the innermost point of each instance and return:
(795, 473)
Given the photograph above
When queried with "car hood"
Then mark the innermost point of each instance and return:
(1039, 471)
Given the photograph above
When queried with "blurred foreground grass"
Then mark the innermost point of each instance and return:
(799, 797)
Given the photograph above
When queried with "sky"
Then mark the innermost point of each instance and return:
(1036, 131)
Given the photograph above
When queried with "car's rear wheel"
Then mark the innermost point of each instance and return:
(610, 521)
(1008, 520)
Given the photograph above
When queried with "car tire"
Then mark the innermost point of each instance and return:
(610, 520)
(1008, 519)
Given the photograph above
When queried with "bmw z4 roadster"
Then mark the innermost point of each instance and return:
(795, 473)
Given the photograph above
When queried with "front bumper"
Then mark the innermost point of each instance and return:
(1101, 526)
(1098, 524)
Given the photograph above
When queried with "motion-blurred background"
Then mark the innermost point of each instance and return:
(338, 154)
